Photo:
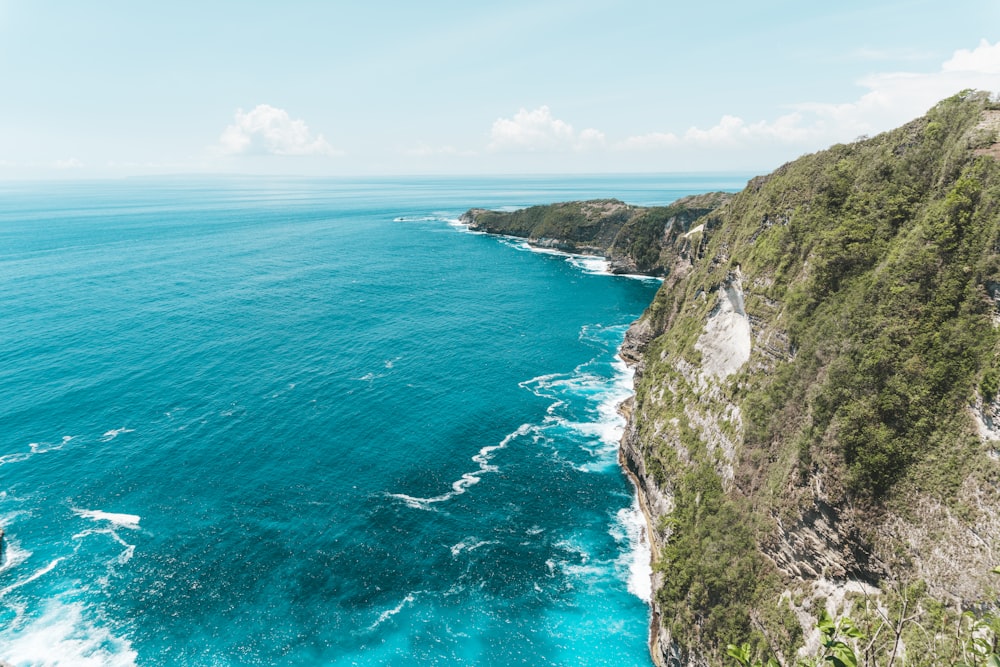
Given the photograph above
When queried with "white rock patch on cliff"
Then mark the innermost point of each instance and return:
(987, 418)
(725, 344)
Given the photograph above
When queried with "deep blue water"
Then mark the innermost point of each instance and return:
(278, 421)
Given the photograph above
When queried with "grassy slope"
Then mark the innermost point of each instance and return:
(636, 238)
(866, 270)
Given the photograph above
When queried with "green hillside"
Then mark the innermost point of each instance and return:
(814, 389)
(816, 428)
(636, 239)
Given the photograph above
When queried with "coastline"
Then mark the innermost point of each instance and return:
(625, 409)
(628, 459)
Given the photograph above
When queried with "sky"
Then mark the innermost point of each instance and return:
(113, 88)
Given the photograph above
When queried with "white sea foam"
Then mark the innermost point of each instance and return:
(469, 544)
(40, 572)
(464, 227)
(461, 485)
(599, 433)
(35, 448)
(591, 264)
(43, 447)
(577, 566)
(110, 522)
(600, 438)
(389, 613)
(13, 554)
(114, 433)
(64, 636)
(130, 521)
(597, 266)
(635, 563)
(14, 458)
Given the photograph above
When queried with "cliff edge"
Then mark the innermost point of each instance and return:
(815, 426)
(635, 239)
(815, 432)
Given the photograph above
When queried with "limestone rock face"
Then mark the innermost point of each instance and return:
(817, 409)
(634, 239)
(791, 414)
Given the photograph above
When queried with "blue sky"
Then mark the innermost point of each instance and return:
(119, 88)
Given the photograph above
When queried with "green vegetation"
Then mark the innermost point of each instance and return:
(871, 279)
(870, 272)
(906, 627)
(636, 239)
(710, 561)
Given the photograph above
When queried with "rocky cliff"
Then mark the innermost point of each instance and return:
(816, 396)
(816, 424)
(635, 239)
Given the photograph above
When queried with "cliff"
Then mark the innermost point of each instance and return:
(816, 423)
(635, 239)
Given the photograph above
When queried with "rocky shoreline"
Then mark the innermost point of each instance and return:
(806, 428)
(653, 502)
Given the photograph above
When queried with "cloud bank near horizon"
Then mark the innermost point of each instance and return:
(891, 99)
(538, 130)
(268, 130)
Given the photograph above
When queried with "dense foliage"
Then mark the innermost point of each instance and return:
(636, 238)
(878, 263)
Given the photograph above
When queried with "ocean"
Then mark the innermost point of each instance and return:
(277, 421)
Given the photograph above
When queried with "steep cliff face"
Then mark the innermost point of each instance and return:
(816, 425)
(635, 239)
(815, 419)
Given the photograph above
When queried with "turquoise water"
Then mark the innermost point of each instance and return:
(277, 421)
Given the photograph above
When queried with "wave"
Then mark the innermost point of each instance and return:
(14, 458)
(40, 572)
(114, 433)
(576, 565)
(130, 521)
(13, 554)
(463, 227)
(585, 405)
(33, 449)
(44, 447)
(596, 388)
(64, 636)
(469, 544)
(389, 613)
(595, 265)
(459, 486)
(635, 563)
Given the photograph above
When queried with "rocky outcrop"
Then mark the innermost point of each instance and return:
(817, 410)
(634, 239)
(791, 352)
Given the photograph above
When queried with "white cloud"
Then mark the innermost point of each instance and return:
(892, 99)
(984, 59)
(884, 100)
(537, 130)
(734, 131)
(267, 130)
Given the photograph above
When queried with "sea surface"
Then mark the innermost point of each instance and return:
(272, 421)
